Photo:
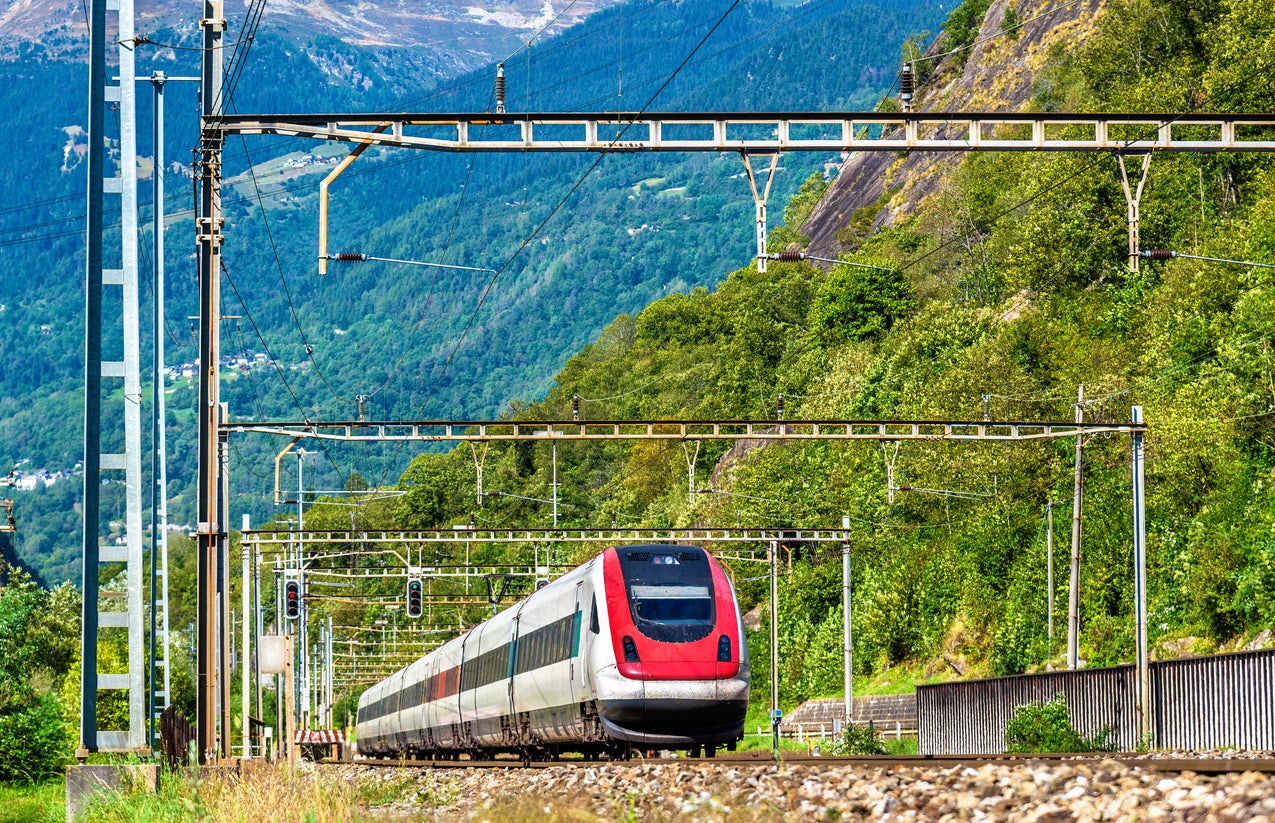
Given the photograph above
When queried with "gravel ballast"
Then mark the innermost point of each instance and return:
(1026, 792)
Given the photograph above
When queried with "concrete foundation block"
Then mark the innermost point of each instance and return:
(83, 783)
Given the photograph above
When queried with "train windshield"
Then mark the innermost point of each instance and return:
(670, 591)
(672, 604)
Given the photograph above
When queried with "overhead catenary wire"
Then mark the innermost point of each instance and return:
(580, 181)
(287, 291)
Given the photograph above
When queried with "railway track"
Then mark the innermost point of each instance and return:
(1197, 765)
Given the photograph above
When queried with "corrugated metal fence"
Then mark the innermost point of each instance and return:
(1197, 703)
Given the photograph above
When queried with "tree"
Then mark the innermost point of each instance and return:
(856, 303)
(35, 653)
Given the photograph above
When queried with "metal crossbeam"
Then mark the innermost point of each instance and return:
(477, 431)
(789, 132)
(628, 132)
(314, 538)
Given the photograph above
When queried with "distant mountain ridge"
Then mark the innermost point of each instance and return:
(464, 33)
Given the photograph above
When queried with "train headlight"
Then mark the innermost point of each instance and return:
(723, 649)
(630, 650)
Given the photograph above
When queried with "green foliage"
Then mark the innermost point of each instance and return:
(1037, 728)
(1010, 24)
(914, 48)
(860, 301)
(962, 25)
(34, 741)
(857, 740)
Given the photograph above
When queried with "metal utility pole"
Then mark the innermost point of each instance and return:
(260, 630)
(1073, 594)
(1140, 579)
(92, 377)
(157, 698)
(127, 369)
(209, 532)
(1049, 571)
(846, 655)
(775, 713)
(760, 196)
(245, 654)
(1133, 200)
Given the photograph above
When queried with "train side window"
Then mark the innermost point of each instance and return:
(593, 617)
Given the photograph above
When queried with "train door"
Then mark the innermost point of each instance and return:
(578, 664)
(465, 708)
(513, 663)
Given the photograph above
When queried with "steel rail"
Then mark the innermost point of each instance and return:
(631, 132)
(1199, 765)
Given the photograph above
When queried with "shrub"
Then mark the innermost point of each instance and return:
(1046, 727)
(858, 740)
(33, 742)
(855, 302)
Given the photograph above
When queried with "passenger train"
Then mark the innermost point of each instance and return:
(642, 647)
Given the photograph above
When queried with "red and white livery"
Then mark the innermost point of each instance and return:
(641, 647)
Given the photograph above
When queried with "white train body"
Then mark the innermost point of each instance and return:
(642, 646)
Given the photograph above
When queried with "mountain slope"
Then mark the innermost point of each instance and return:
(1000, 294)
(635, 229)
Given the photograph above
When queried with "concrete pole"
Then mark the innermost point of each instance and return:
(1140, 580)
(846, 648)
(1073, 594)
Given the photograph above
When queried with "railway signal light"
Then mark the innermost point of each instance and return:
(413, 597)
(292, 599)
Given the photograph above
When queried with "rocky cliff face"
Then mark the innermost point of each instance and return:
(997, 75)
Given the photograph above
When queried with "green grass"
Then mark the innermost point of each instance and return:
(754, 743)
(43, 803)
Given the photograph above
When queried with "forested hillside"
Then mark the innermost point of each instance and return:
(1005, 279)
(1008, 281)
(635, 229)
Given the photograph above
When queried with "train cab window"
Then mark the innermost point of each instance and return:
(593, 616)
(672, 604)
(670, 593)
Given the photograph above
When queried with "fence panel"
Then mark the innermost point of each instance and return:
(1197, 703)
(1213, 702)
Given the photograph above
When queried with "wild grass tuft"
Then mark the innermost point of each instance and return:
(41, 803)
(257, 794)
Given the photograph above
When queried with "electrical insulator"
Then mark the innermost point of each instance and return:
(907, 85)
(1159, 254)
(349, 256)
(781, 408)
(575, 407)
(500, 88)
(413, 597)
(292, 599)
(789, 256)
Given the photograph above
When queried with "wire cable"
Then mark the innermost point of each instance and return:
(580, 181)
